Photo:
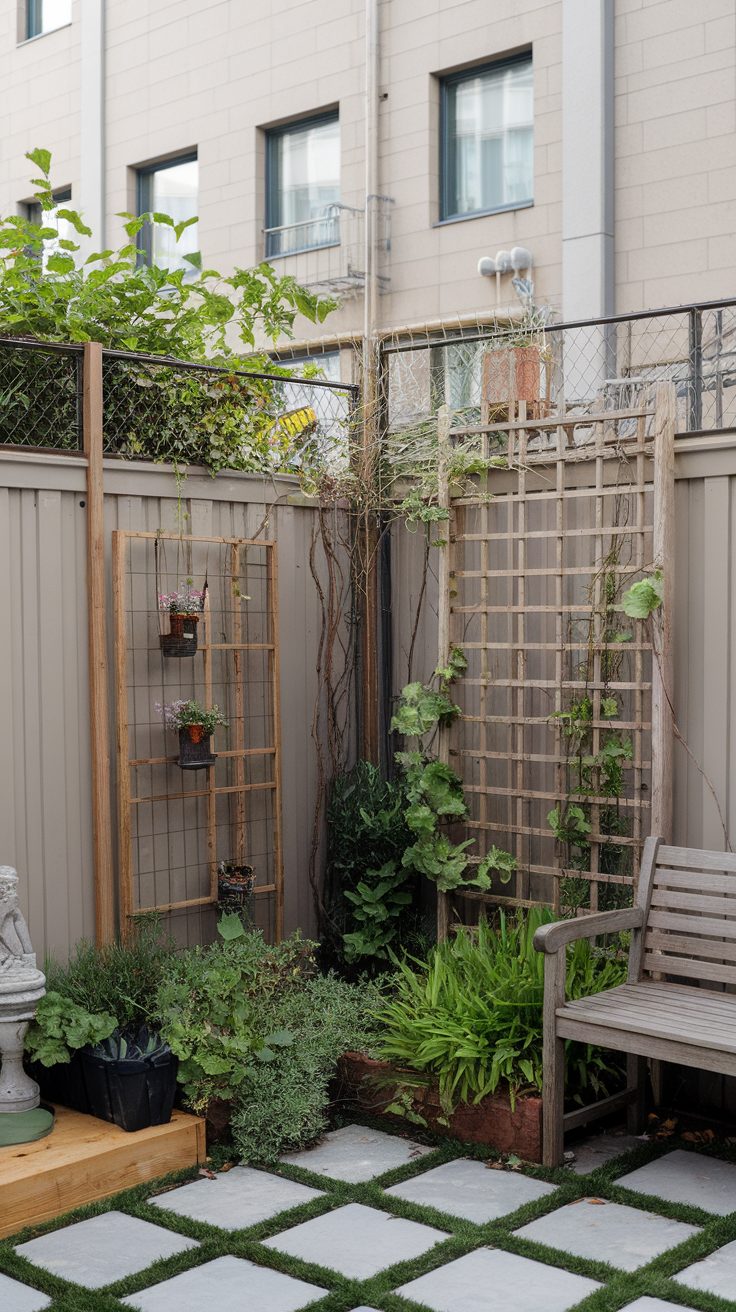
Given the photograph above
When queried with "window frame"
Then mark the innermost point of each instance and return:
(447, 161)
(30, 12)
(273, 136)
(33, 211)
(143, 176)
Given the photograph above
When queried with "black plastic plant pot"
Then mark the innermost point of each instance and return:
(195, 751)
(182, 638)
(63, 1084)
(235, 884)
(132, 1093)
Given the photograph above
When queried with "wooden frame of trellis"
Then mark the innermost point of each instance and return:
(553, 478)
(130, 798)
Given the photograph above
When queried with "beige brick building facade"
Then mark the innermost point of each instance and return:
(634, 135)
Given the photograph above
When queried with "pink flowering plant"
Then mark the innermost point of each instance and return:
(184, 600)
(178, 715)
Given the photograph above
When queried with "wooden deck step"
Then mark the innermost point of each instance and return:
(85, 1159)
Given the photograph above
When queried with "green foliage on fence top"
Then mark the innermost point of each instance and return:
(112, 296)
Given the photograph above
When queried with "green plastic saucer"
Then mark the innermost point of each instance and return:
(25, 1127)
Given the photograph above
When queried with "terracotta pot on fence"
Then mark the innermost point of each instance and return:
(181, 640)
(195, 748)
(512, 373)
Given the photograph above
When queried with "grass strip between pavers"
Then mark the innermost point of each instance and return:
(658, 1278)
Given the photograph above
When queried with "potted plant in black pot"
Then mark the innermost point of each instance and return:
(183, 607)
(195, 725)
(235, 885)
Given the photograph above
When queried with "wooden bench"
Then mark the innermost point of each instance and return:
(673, 1006)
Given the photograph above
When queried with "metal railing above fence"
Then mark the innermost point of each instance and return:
(40, 395)
(592, 365)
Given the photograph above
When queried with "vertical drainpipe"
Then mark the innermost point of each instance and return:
(587, 186)
(371, 628)
(92, 121)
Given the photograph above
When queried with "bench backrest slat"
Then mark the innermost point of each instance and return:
(690, 926)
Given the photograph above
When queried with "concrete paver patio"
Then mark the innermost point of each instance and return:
(354, 1224)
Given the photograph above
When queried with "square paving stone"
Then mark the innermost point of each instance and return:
(236, 1199)
(716, 1274)
(597, 1149)
(608, 1232)
(490, 1280)
(354, 1154)
(229, 1284)
(683, 1177)
(106, 1248)
(471, 1190)
(357, 1241)
(647, 1304)
(15, 1297)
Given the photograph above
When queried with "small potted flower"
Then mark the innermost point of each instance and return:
(195, 726)
(235, 884)
(184, 607)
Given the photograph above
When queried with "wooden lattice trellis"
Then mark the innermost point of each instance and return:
(530, 585)
(176, 826)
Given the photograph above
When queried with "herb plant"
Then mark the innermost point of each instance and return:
(178, 715)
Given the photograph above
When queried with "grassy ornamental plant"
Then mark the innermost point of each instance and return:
(182, 714)
(471, 1015)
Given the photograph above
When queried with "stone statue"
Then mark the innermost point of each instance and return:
(16, 952)
(22, 986)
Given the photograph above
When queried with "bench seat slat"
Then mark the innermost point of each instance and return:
(700, 902)
(707, 1021)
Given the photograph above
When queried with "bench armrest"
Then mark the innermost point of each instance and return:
(550, 938)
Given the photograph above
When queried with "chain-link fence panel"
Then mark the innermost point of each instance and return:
(588, 367)
(40, 396)
(262, 423)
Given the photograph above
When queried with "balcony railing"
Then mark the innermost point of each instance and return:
(327, 252)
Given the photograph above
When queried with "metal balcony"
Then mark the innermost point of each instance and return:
(327, 253)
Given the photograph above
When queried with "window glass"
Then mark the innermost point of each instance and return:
(65, 231)
(488, 139)
(173, 189)
(303, 186)
(46, 15)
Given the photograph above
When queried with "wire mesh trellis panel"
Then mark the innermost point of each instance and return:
(177, 825)
(40, 396)
(266, 423)
(554, 741)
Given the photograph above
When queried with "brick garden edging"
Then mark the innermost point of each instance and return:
(370, 1086)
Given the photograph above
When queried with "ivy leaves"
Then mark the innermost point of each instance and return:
(420, 710)
(645, 597)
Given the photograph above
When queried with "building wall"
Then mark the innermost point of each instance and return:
(212, 73)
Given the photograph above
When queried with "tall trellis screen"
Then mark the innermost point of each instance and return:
(564, 694)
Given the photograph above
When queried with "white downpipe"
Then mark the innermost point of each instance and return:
(91, 199)
(372, 57)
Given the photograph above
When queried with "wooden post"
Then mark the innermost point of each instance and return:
(443, 617)
(553, 1060)
(121, 721)
(662, 662)
(92, 419)
(275, 656)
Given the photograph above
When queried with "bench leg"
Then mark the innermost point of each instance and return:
(636, 1079)
(553, 1102)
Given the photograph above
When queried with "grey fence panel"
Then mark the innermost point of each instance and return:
(45, 811)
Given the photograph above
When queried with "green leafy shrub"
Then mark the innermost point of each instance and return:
(284, 1105)
(471, 1015)
(117, 978)
(61, 1027)
(212, 1008)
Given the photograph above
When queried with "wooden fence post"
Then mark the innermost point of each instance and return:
(662, 662)
(444, 604)
(105, 923)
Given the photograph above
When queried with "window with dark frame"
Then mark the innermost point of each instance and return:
(303, 185)
(169, 187)
(46, 16)
(487, 138)
(65, 231)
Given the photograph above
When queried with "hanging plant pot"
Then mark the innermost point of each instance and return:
(181, 640)
(195, 748)
(235, 884)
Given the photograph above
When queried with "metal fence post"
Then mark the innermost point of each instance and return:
(695, 333)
